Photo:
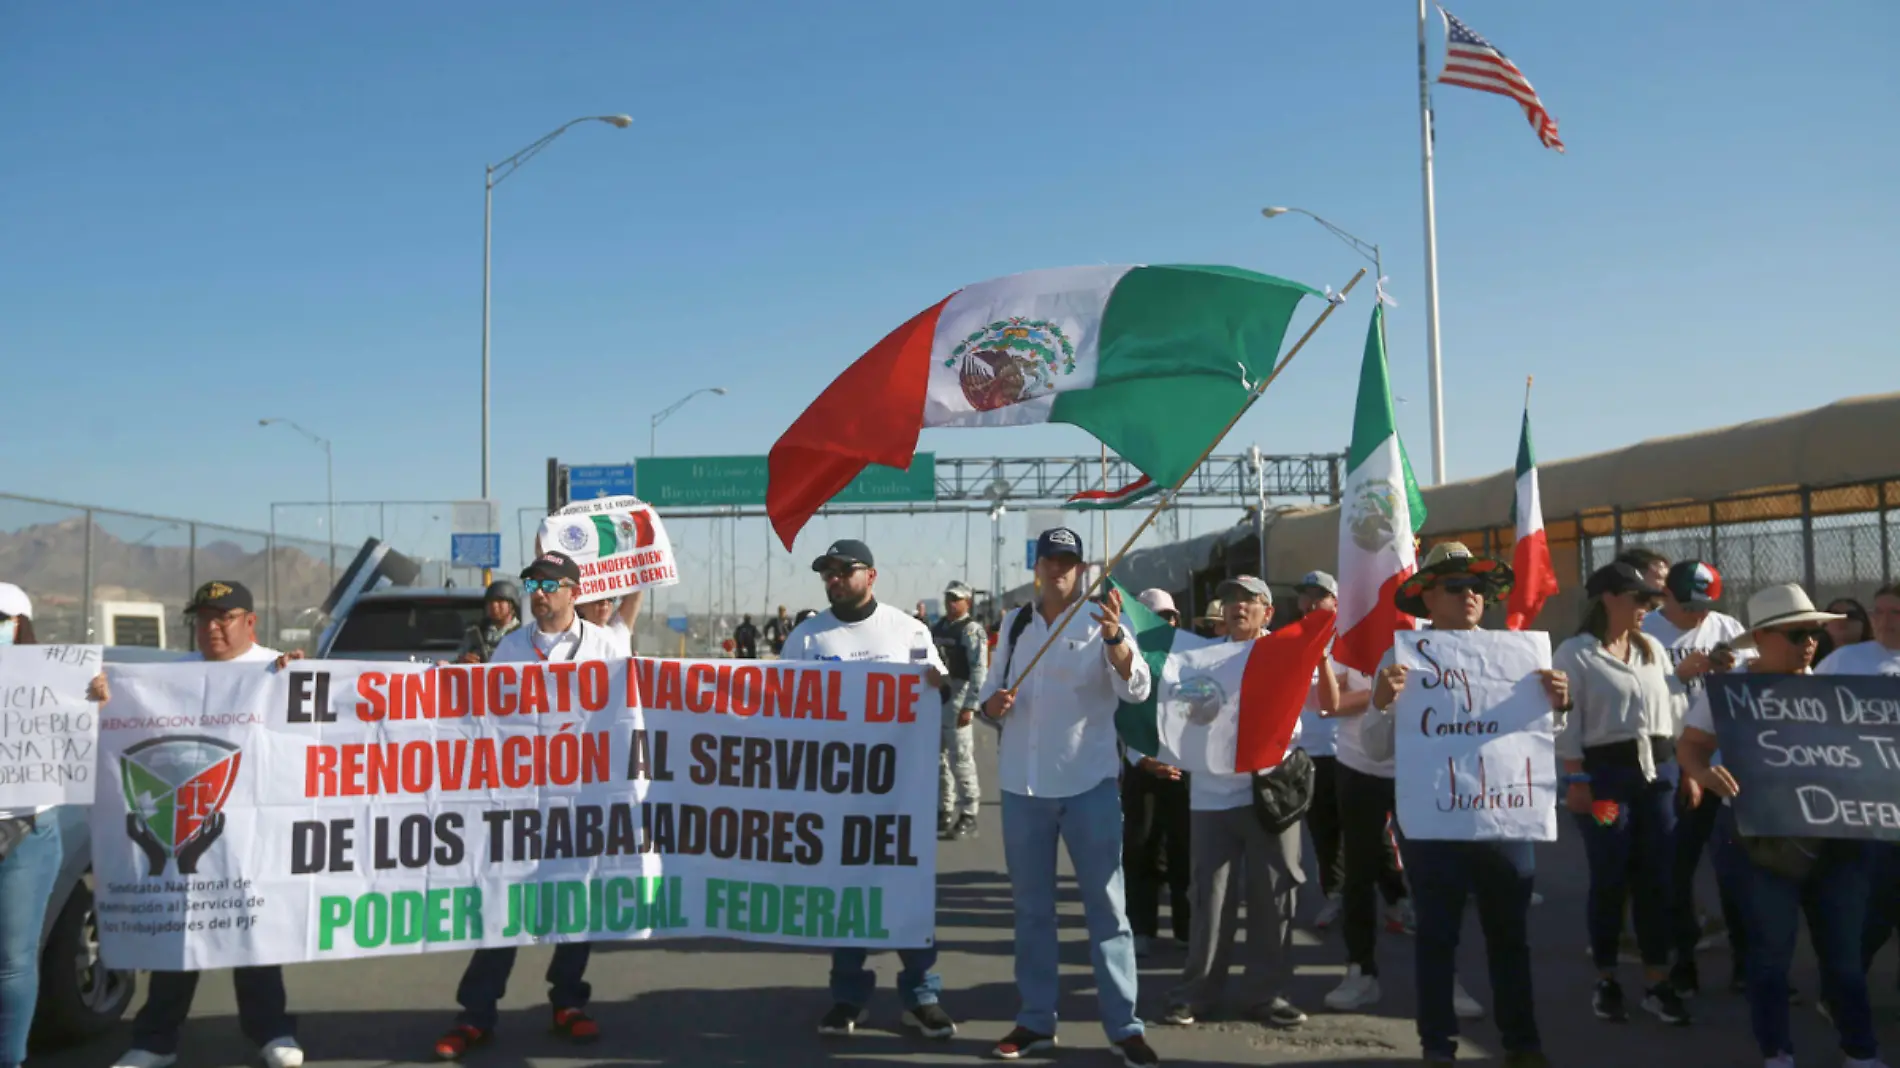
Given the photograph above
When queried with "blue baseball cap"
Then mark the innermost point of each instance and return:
(1059, 541)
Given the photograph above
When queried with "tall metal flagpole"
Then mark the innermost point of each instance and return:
(1431, 258)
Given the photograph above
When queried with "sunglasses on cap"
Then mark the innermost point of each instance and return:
(1801, 635)
(543, 585)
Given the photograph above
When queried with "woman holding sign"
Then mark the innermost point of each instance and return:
(1775, 878)
(1620, 775)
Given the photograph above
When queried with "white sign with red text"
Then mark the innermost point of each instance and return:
(619, 543)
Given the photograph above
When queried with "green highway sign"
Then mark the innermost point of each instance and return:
(695, 481)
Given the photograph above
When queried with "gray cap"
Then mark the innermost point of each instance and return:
(1246, 584)
(957, 591)
(1318, 580)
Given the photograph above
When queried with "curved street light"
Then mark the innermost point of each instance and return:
(653, 434)
(329, 481)
(498, 173)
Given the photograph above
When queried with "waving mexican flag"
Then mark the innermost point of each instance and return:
(1530, 557)
(1379, 514)
(1153, 361)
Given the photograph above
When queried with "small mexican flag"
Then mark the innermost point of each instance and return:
(1217, 706)
(1536, 579)
(1379, 513)
(1102, 348)
(1098, 500)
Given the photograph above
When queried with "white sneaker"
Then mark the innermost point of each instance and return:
(1463, 1003)
(145, 1058)
(1329, 912)
(282, 1053)
(1357, 992)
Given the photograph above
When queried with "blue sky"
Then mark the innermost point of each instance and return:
(216, 212)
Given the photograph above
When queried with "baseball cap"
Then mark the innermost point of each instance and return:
(553, 565)
(1247, 585)
(1695, 584)
(1318, 580)
(849, 550)
(1618, 578)
(1158, 601)
(1059, 541)
(957, 591)
(14, 601)
(221, 596)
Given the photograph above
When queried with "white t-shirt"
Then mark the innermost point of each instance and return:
(888, 635)
(254, 653)
(580, 641)
(1862, 658)
(620, 636)
(1713, 630)
(1346, 742)
(1318, 734)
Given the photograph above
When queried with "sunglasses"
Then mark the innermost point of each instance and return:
(1463, 585)
(543, 585)
(1801, 635)
(836, 572)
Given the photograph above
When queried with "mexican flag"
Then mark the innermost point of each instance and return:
(1535, 579)
(1219, 706)
(1100, 500)
(1379, 514)
(1102, 348)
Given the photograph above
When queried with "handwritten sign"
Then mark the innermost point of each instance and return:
(619, 543)
(49, 732)
(1476, 760)
(1817, 756)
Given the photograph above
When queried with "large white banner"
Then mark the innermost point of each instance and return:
(337, 809)
(619, 543)
(1476, 756)
(48, 730)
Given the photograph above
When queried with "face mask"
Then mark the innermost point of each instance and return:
(7, 628)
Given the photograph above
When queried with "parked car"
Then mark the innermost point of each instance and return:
(416, 623)
(80, 998)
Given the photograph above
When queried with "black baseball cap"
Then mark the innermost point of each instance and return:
(1059, 541)
(1618, 578)
(846, 550)
(553, 565)
(221, 596)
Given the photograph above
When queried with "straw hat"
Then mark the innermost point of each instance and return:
(1780, 606)
(1446, 559)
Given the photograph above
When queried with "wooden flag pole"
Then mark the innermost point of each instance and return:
(1166, 498)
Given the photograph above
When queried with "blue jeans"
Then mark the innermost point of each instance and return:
(1834, 896)
(1498, 874)
(853, 984)
(26, 884)
(485, 981)
(1694, 830)
(1632, 858)
(1091, 824)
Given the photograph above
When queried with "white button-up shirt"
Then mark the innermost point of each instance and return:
(1058, 740)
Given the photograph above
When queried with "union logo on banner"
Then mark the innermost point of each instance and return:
(175, 790)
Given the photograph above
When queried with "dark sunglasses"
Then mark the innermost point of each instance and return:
(1801, 635)
(837, 572)
(1463, 585)
(542, 585)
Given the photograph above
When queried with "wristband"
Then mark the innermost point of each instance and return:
(1116, 640)
(1581, 778)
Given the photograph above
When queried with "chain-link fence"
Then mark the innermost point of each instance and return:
(123, 578)
(1836, 541)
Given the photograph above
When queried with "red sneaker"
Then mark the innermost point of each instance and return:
(1020, 1043)
(459, 1040)
(575, 1026)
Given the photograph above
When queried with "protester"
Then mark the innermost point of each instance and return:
(1880, 655)
(1699, 641)
(1620, 777)
(1650, 564)
(777, 629)
(1451, 591)
(746, 637)
(608, 614)
(1231, 848)
(1058, 769)
(1767, 875)
(1155, 835)
(857, 628)
(1319, 731)
(1852, 628)
(962, 646)
(1213, 622)
(560, 635)
(31, 853)
(225, 631)
(501, 613)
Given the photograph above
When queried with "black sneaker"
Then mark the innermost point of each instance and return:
(1136, 1053)
(945, 821)
(965, 827)
(842, 1019)
(1020, 1042)
(1283, 1013)
(1608, 1002)
(1181, 1015)
(1662, 1002)
(931, 1020)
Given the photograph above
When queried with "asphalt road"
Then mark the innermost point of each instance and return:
(724, 1003)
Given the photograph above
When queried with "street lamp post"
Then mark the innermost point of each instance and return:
(497, 173)
(329, 485)
(653, 433)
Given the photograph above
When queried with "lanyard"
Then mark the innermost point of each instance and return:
(571, 653)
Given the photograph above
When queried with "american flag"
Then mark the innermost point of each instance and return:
(1475, 63)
